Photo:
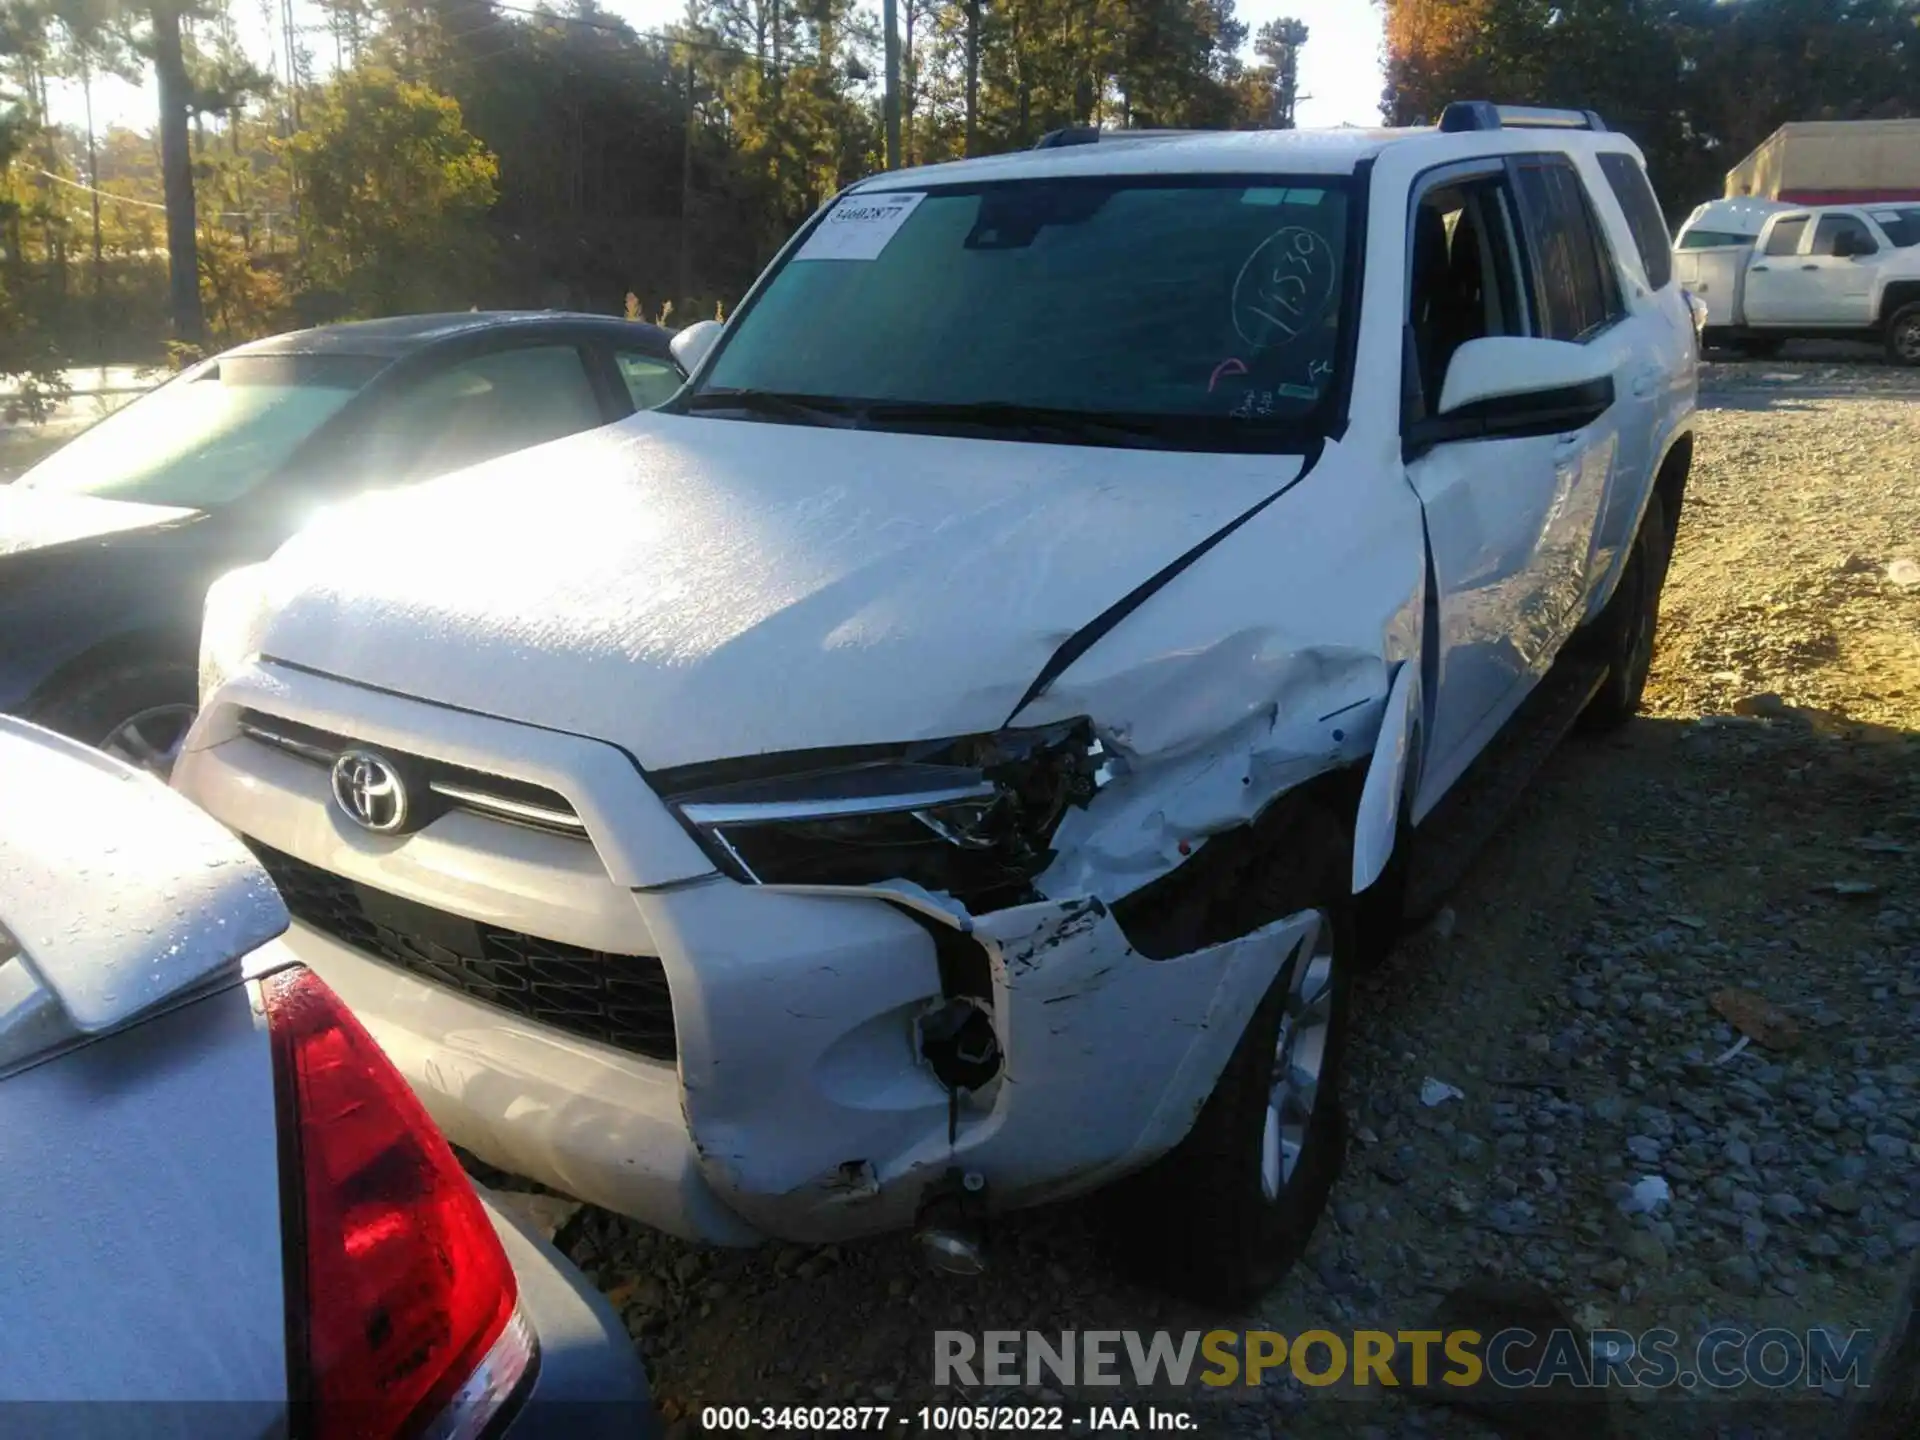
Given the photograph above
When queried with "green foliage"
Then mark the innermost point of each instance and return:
(392, 188)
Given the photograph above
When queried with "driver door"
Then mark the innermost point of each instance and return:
(1503, 249)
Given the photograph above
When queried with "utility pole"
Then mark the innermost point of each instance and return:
(890, 22)
(686, 190)
(973, 72)
(1279, 43)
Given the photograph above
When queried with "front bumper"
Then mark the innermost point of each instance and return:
(800, 1106)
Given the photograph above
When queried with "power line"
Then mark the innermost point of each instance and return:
(153, 204)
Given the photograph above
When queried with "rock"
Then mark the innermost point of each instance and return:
(1848, 1167)
(1841, 1198)
(1644, 1249)
(687, 1267)
(1739, 1153)
(545, 1214)
(1887, 1147)
(1757, 1017)
(1611, 1274)
(1783, 1206)
(1739, 1274)
(1825, 1119)
(1608, 1109)
(1468, 1149)
(1906, 1236)
(1644, 1148)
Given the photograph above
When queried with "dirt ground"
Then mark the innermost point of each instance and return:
(1756, 831)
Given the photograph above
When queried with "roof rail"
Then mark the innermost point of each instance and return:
(1071, 135)
(1093, 135)
(1484, 115)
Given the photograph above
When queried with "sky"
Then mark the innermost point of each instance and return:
(1340, 79)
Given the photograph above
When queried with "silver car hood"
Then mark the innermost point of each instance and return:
(697, 588)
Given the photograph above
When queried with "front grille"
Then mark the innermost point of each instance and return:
(450, 786)
(617, 1000)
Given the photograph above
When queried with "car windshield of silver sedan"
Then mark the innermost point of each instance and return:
(209, 437)
(1193, 312)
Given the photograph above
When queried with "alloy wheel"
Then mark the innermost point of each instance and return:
(1299, 1057)
(150, 739)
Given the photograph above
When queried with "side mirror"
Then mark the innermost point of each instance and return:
(1508, 387)
(1504, 368)
(693, 344)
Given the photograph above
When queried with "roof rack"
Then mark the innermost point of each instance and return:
(1484, 115)
(1093, 135)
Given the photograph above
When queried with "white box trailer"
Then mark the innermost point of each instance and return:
(1833, 162)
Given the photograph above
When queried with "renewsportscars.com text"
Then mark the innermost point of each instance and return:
(1721, 1359)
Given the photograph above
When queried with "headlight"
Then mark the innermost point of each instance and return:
(229, 628)
(973, 817)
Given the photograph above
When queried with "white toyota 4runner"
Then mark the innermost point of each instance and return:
(956, 754)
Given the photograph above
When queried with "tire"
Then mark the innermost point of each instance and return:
(1624, 636)
(1200, 1222)
(1903, 335)
(156, 698)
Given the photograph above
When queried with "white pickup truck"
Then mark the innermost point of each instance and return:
(1849, 272)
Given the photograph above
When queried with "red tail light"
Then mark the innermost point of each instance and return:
(399, 1294)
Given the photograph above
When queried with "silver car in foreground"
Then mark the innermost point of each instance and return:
(221, 1200)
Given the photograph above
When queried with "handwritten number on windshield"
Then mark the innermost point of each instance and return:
(1283, 287)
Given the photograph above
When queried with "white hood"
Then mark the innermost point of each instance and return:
(696, 588)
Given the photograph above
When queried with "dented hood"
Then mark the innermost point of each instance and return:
(697, 588)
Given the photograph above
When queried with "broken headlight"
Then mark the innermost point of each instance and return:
(973, 817)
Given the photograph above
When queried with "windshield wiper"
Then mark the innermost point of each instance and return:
(805, 409)
(1034, 422)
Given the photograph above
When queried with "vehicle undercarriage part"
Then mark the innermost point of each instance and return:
(958, 1041)
(951, 1225)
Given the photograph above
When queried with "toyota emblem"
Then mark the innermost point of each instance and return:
(369, 789)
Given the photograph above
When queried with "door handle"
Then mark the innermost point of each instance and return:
(1809, 267)
(1759, 270)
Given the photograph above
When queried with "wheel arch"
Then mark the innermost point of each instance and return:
(1896, 296)
(145, 645)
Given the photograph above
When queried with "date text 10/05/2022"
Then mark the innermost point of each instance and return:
(938, 1418)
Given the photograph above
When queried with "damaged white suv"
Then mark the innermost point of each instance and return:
(955, 755)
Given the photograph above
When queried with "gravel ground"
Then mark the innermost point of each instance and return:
(1755, 832)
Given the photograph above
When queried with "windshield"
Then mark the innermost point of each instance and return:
(1902, 225)
(1202, 312)
(209, 437)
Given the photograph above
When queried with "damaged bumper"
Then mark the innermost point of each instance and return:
(802, 1107)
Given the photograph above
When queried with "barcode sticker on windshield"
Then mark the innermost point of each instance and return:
(859, 227)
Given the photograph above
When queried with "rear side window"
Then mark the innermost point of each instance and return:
(1635, 193)
(1707, 239)
(1579, 290)
(1902, 227)
(1785, 239)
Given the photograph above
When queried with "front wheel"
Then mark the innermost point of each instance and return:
(1221, 1217)
(1903, 335)
(138, 712)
